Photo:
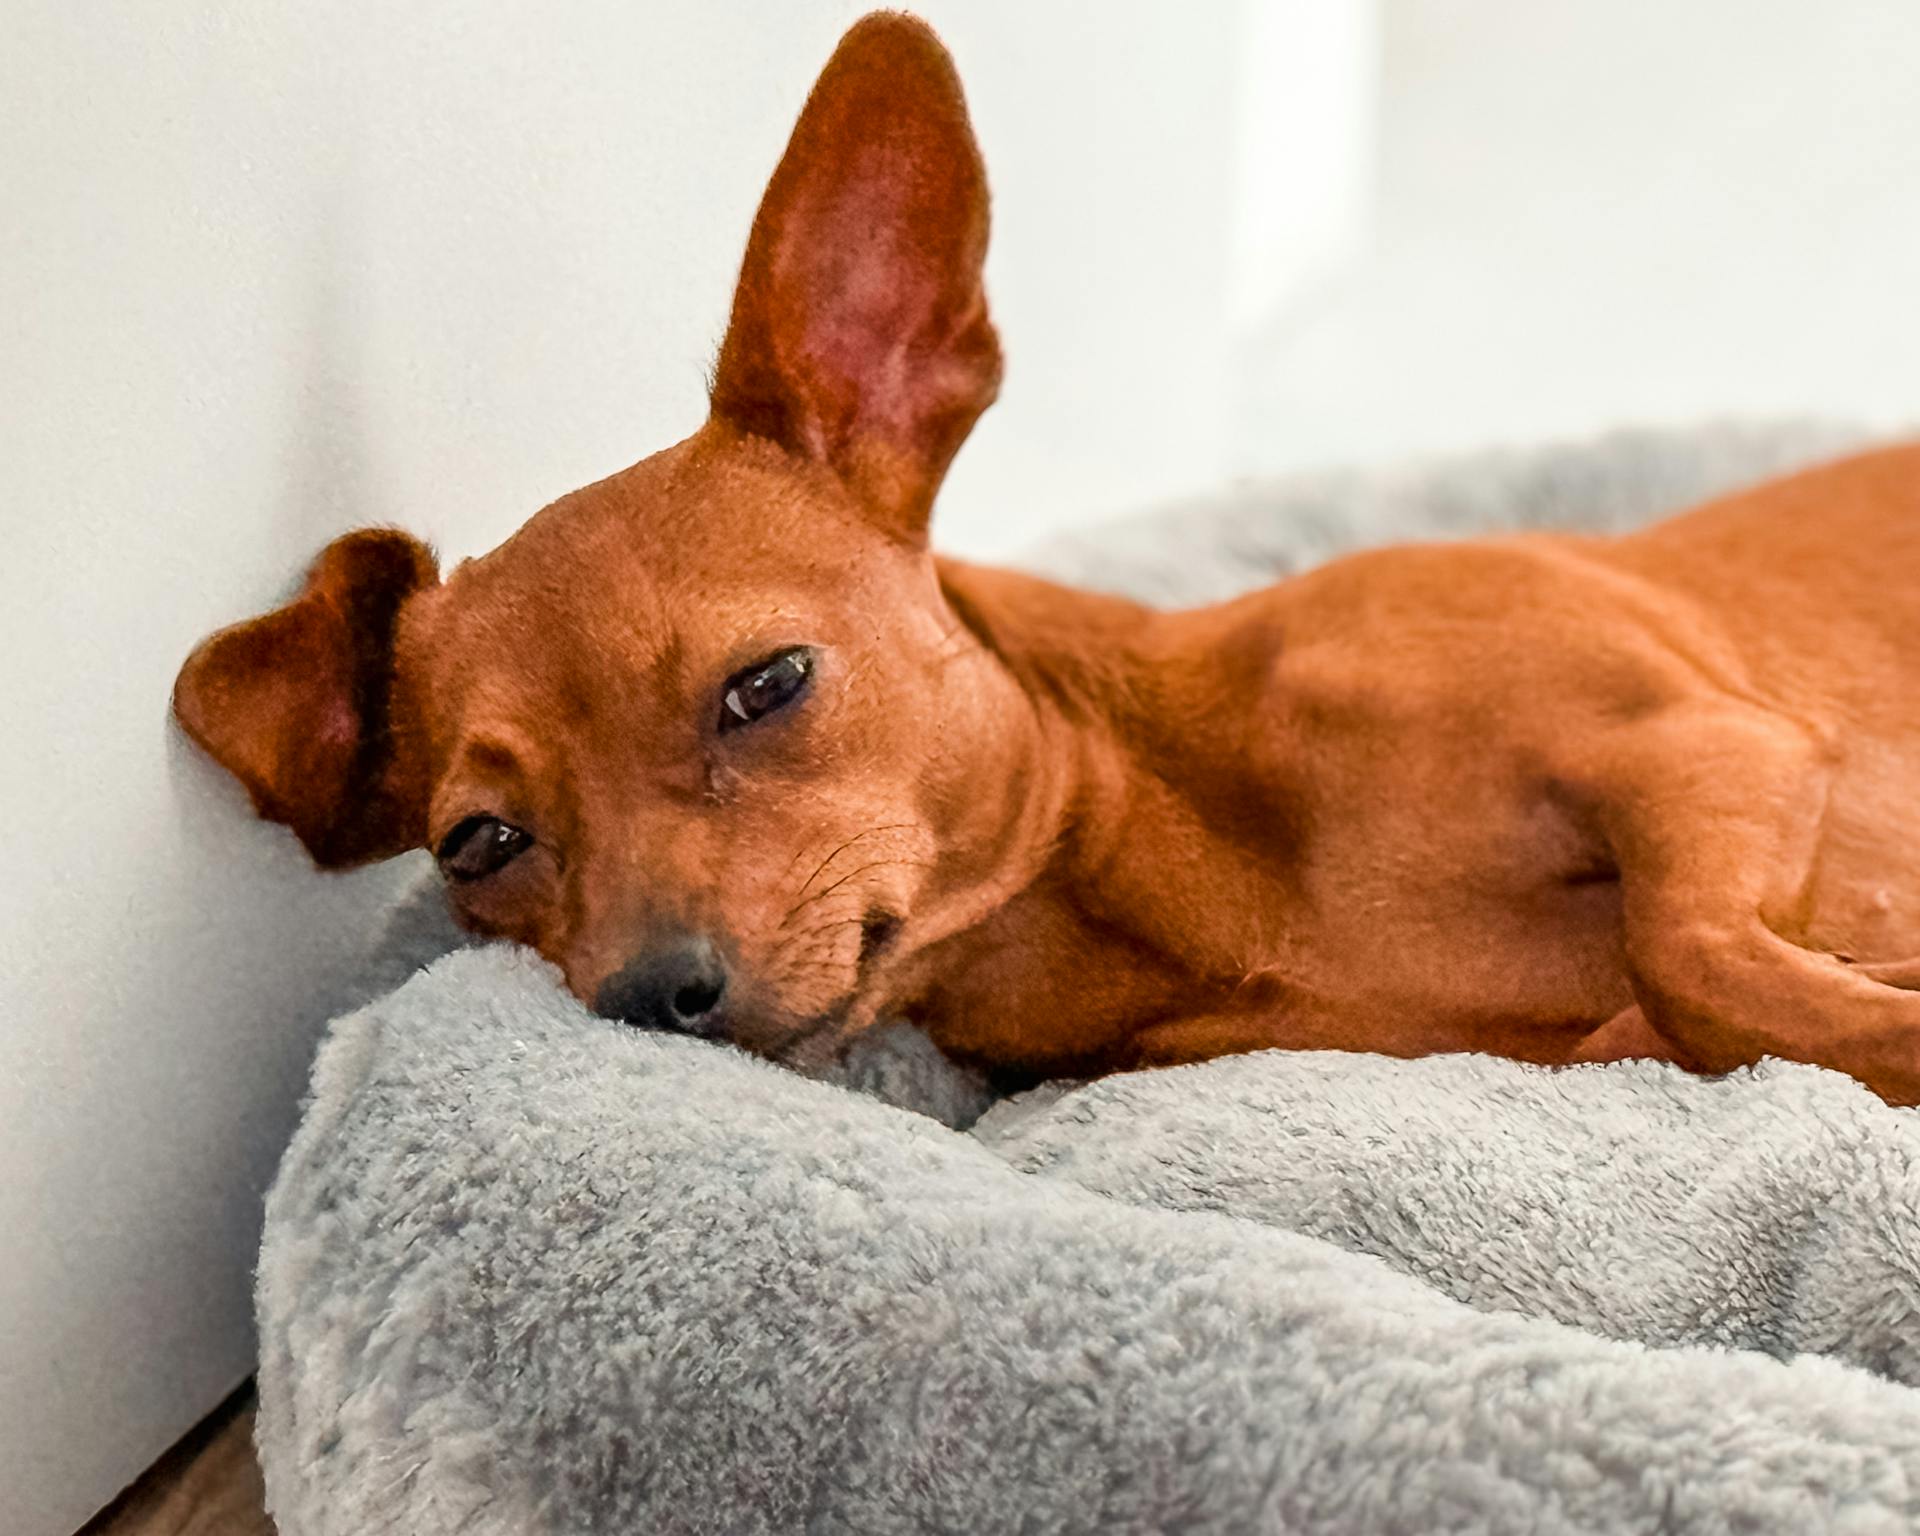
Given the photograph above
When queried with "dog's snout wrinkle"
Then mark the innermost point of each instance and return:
(678, 984)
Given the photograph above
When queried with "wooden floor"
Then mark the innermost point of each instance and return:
(207, 1485)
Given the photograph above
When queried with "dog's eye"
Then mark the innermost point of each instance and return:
(765, 687)
(479, 846)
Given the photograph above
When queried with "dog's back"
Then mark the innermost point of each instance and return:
(1816, 577)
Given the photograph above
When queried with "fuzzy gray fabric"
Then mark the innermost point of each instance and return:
(1216, 546)
(527, 1271)
(1775, 1210)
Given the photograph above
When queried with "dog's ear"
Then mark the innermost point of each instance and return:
(860, 335)
(297, 704)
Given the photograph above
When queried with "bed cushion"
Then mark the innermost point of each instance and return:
(528, 1271)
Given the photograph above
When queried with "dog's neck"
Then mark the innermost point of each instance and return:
(1100, 682)
(1087, 776)
(1080, 661)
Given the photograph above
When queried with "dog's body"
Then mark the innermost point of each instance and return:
(1395, 804)
(722, 739)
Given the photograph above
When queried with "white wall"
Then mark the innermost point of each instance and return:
(273, 271)
(1592, 212)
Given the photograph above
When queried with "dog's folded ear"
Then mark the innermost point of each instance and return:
(297, 704)
(860, 336)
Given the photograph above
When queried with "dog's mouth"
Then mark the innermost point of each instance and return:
(878, 930)
(811, 1042)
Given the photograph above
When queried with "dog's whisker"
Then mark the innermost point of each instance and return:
(821, 895)
(854, 874)
(858, 837)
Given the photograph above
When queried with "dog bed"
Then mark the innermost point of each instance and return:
(527, 1271)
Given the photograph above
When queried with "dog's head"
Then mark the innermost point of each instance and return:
(706, 734)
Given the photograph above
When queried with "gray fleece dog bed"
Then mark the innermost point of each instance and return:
(527, 1271)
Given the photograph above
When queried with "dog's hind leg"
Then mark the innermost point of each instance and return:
(1712, 810)
(1904, 974)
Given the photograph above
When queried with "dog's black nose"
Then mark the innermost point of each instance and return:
(676, 985)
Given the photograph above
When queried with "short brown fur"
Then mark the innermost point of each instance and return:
(1558, 798)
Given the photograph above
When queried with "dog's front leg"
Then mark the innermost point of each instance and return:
(1179, 1042)
(1713, 812)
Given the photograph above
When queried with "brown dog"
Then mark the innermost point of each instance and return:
(723, 740)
